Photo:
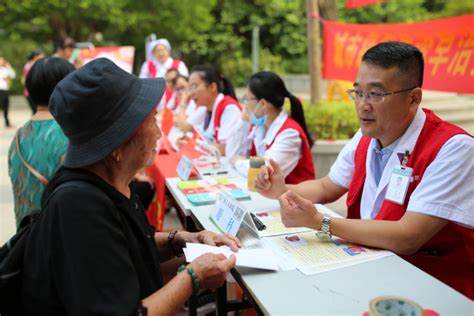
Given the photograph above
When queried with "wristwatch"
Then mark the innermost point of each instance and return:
(325, 232)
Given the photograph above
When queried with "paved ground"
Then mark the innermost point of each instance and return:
(19, 114)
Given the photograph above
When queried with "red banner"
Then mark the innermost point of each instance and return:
(122, 56)
(447, 46)
(350, 4)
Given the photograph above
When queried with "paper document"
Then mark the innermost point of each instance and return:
(274, 225)
(313, 255)
(253, 258)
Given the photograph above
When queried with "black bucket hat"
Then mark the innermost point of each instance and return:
(99, 106)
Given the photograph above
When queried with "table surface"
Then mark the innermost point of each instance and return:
(343, 291)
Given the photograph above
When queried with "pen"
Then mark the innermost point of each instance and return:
(258, 223)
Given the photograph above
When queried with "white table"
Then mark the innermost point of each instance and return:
(256, 202)
(346, 291)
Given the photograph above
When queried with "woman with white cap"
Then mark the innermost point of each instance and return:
(92, 252)
(160, 61)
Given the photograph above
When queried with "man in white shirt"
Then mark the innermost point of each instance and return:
(429, 217)
(6, 75)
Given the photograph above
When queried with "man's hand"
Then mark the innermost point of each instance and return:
(299, 212)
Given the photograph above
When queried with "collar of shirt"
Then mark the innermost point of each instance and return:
(166, 64)
(374, 194)
(209, 131)
(405, 142)
(274, 127)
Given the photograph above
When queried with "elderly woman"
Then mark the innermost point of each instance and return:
(160, 61)
(92, 251)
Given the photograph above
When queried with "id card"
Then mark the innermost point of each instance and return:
(398, 185)
(228, 214)
(185, 166)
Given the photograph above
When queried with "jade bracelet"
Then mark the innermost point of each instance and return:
(194, 278)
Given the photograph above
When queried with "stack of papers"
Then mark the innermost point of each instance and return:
(252, 258)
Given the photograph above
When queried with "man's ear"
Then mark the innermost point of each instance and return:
(416, 96)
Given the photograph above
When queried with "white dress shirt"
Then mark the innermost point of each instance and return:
(285, 150)
(446, 189)
(6, 74)
(230, 117)
(162, 68)
(195, 114)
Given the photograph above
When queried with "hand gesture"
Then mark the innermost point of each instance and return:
(298, 212)
(270, 182)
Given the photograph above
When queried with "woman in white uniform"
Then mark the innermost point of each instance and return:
(266, 130)
(210, 89)
(161, 61)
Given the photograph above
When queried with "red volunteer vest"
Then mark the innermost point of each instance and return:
(226, 101)
(449, 255)
(304, 170)
(152, 68)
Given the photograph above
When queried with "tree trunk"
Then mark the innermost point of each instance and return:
(328, 9)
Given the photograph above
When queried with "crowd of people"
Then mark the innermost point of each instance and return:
(80, 160)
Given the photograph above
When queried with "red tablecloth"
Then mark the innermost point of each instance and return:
(164, 166)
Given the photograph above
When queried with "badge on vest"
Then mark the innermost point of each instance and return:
(399, 182)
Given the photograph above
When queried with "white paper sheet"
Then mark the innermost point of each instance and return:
(253, 258)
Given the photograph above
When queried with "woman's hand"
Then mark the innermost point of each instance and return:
(182, 141)
(246, 114)
(208, 238)
(270, 182)
(212, 269)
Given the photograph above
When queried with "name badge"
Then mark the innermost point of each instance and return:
(398, 185)
(184, 168)
(228, 214)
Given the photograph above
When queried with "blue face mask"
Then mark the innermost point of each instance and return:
(260, 121)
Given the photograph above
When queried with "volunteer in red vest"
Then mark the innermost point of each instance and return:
(187, 114)
(161, 61)
(408, 175)
(210, 89)
(266, 130)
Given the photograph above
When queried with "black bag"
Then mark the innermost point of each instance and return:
(11, 262)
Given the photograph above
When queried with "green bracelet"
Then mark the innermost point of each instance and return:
(194, 278)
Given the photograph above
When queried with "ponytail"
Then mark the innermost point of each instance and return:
(269, 86)
(210, 75)
(228, 88)
(297, 113)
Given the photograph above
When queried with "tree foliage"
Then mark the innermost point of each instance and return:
(201, 31)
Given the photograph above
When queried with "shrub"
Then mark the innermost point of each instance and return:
(331, 119)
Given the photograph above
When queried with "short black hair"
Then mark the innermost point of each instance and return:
(407, 58)
(44, 75)
(33, 54)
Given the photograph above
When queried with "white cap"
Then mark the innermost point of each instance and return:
(163, 42)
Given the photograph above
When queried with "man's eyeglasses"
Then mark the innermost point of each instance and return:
(375, 97)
